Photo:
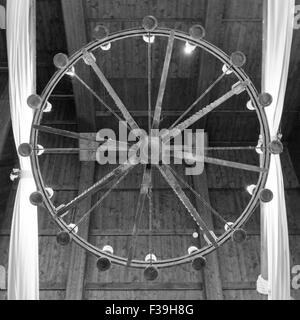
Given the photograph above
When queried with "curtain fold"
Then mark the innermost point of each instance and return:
(23, 271)
(278, 33)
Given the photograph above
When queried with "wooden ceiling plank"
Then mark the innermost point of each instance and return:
(74, 20)
(212, 276)
(77, 261)
(75, 28)
(5, 122)
(213, 26)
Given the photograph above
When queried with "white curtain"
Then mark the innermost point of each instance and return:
(23, 271)
(278, 35)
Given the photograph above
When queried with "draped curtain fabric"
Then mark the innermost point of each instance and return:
(23, 272)
(278, 35)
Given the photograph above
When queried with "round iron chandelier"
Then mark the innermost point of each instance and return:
(232, 66)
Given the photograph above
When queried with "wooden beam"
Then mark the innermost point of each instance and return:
(168, 20)
(212, 276)
(214, 33)
(145, 286)
(144, 232)
(77, 262)
(5, 123)
(138, 286)
(74, 20)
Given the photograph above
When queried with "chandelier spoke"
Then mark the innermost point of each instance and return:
(175, 148)
(233, 164)
(202, 96)
(146, 181)
(230, 148)
(238, 88)
(149, 76)
(111, 144)
(103, 197)
(117, 172)
(172, 181)
(226, 163)
(163, 81)
(64, 133)
(91, 61)
(97, 97)
(205, 203)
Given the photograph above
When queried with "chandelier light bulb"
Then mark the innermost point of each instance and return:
(50, 192)
(226, 69)
(250, 105)
(258, 149)
(251, 189)
(189, 48)
(106, 46)
(192, 249)
(108, 249)
(71, 72)
(73, 227)
(41, 150)
(150, 258)
(228, 226)
(195, 235)
(48, 107)
(148, 38)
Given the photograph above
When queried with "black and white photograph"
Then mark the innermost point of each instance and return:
(149, 153)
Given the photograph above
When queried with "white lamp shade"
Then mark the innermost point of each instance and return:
(150, 257)
(108, 249)
(192, 249)
(189, 48)
(251, 189)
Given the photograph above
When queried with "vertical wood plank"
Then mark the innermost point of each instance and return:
(4, 117)
(213, 27)
(212, 276)
(73, 13)
(77, 264)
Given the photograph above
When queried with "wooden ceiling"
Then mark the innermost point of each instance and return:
(230, 24)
